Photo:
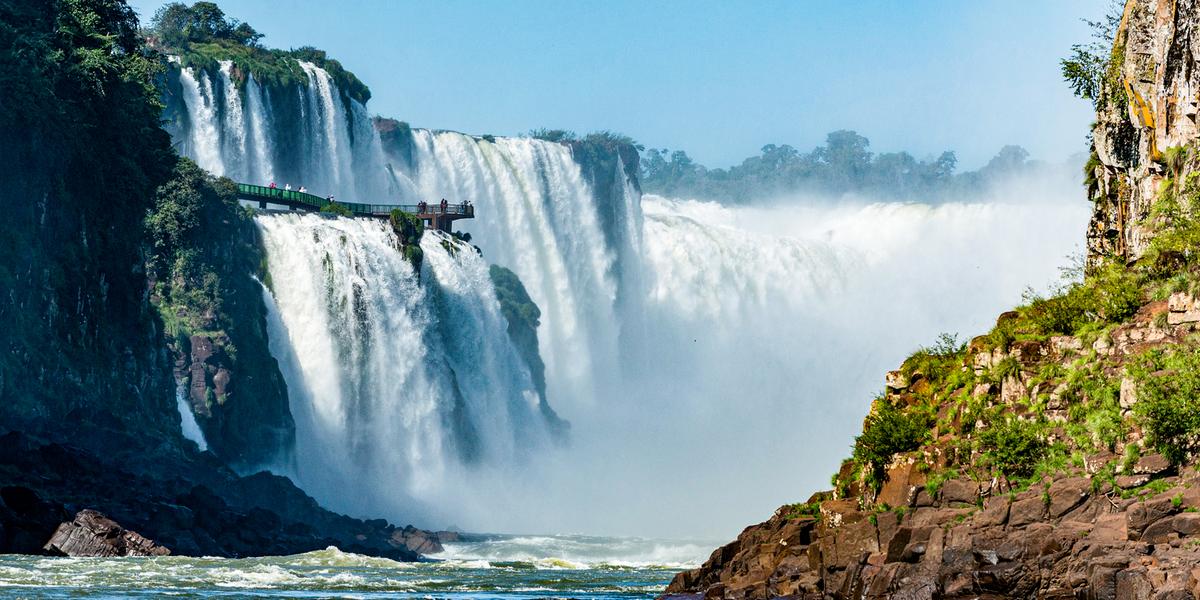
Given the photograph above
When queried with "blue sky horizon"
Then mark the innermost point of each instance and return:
(716, 79)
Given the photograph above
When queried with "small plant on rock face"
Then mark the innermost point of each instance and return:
(935, 481)
(1012, 447)
(804, 509)
(938, 361)
(887, 431)
(1008, 367)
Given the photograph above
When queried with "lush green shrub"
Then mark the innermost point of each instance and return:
(177, 23)
(1094, 410)
(1058, 314)
(887, 431)
(1110, 294)
(1011, 447)
(1168, 405)
(1093, 70)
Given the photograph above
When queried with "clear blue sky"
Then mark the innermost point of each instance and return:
(718, 79)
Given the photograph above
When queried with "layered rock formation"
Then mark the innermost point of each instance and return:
(1054, 457)
(93, 534)
(1148, 105)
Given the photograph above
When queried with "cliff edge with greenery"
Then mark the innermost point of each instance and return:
(1056, 455)
(205, 253)
(201, 35)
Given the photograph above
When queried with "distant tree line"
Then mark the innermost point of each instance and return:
(843, 165)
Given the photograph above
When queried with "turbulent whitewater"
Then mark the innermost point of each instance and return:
(673, 331)
(499, 567)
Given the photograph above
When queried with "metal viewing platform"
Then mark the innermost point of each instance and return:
(435, 215)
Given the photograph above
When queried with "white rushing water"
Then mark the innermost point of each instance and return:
(405, 394)
(187, 421)
(714, 361)
(231, 125)
(542, 222)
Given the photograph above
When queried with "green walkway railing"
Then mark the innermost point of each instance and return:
(293, 198)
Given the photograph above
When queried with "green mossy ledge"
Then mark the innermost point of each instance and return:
(272, 68)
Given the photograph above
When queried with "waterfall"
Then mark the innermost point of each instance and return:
(406, 391)
(313, 135)
(201, 141)
(542, 222)
(187, 421)
(233, 127)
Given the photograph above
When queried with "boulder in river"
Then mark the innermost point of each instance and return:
(93, 534)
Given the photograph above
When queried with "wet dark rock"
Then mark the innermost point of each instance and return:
(186, 501)
(26, 520)
(93, 534)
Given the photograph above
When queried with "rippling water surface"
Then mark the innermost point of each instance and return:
(500, 567)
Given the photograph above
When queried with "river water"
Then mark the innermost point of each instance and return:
(500, 567)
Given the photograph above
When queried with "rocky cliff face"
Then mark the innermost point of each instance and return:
(205, 253)
(1148, 106)
(1100, 524)
(1055, 456)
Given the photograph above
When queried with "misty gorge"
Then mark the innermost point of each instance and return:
(281, 338)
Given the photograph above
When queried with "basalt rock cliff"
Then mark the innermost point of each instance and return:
(1056, 455)
(1148, 106)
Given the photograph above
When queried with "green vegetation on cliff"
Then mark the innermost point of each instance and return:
(523, 318)
(82, 151)
(204, 252)
(1092, 70)
(201, 35)
(1070, 374)
(409, 229)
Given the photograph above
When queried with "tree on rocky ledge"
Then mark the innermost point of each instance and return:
(176, 24)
